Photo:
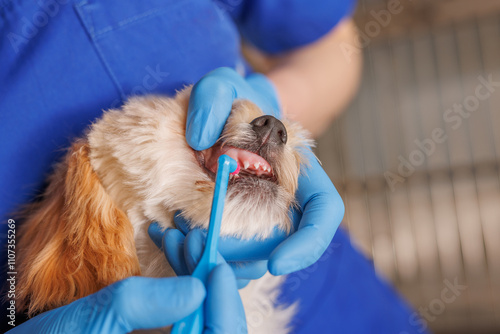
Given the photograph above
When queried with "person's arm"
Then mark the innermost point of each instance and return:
(315, 82)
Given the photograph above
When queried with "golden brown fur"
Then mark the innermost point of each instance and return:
(75, 241)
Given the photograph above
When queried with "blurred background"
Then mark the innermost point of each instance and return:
(416, 156)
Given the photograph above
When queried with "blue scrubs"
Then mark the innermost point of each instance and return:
(64, 61)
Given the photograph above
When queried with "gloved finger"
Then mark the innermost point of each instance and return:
(235, 249)
(210, 105)
(224, 310)
(241, 283)
(156, 232)
(171, 241)
(323, 210)
(193, 249)
(249, 270)
(182, 223)
(141, 302)
(211, 101)
(173, 247)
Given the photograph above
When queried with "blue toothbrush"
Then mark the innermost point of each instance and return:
(193, 324)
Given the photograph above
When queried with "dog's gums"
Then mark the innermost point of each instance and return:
(251, 164)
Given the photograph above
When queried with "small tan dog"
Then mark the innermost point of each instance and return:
(134, 167)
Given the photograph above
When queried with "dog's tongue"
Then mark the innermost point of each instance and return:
(247, 161)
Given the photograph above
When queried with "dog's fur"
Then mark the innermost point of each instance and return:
(134, 167)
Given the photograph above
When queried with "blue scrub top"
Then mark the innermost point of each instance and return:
(64, 61)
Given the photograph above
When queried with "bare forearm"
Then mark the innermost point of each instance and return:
(316, 82)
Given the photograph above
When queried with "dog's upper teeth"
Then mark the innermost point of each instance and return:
(257, 168)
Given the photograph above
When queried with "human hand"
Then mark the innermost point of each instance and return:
(320, 213)
(212, 98)
(146, 303)
(321, 208)
(183, 248)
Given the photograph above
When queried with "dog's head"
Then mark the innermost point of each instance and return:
(141, 156)
(135, 167)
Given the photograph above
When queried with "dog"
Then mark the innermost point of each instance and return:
(134, 167)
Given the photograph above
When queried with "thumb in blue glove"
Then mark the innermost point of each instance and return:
(133, 303)
(212, 98)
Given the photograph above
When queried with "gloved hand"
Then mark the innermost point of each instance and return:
(183, 250)
(145, 303)
(212, 98)
(321, 207)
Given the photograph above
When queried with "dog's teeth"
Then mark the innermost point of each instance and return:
(246, 164)
(257, 165)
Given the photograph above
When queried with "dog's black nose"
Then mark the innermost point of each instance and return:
(270, 129)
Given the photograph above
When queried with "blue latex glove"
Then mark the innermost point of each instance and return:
(145, 303)
(212, 98)
(322, 208)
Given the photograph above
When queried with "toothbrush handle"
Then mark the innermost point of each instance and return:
(194, 323)
(226, 165)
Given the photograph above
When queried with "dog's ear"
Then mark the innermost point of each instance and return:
(73, 242)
